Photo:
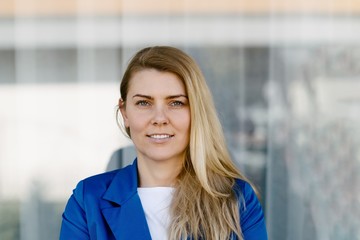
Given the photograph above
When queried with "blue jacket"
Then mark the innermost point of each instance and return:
(107, 206)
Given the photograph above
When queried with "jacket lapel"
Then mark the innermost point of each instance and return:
(125, 216)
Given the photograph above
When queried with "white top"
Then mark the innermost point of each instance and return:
(156, 204)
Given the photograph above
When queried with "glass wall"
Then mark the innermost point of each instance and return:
(313, 160)
(284, 76)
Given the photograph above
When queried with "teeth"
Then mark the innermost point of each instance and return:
(160, 136)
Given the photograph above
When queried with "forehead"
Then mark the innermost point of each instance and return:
(152, 81)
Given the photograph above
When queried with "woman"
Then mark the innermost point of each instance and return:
(183, 184)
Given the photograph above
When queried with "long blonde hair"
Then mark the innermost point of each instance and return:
(204, 203)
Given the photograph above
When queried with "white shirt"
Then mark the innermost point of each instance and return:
(156, 204)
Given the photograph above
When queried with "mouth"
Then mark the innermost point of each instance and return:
(160, 136)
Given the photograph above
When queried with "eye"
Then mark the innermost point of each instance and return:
(177, 103)
(142, 103)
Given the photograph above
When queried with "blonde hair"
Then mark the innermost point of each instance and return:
(204, 204)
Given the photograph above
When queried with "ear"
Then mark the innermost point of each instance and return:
(122, 107)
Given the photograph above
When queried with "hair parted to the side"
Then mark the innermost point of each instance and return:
(204, 203)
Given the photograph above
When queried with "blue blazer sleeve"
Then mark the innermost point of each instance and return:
(251, 215)
(74, 225)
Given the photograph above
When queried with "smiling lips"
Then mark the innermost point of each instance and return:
(160, 136)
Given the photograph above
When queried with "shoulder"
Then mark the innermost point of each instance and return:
(98, 184)
(243, 188)
(92, 188)
(251, 214)
(244, 191)
(100, 180)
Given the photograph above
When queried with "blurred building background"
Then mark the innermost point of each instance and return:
(285, 76)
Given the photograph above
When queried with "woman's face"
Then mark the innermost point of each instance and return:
(157, 112)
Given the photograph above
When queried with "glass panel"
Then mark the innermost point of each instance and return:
(58, 92)
(313, 161)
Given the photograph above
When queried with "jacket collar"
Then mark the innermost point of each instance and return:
(123, 186)
(125, 215)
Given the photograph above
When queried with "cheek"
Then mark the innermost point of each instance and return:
(136, 123)
(187, 123)
(184, 123)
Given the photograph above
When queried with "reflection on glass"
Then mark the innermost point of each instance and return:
(313, 124)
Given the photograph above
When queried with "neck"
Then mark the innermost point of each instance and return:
(158, 173)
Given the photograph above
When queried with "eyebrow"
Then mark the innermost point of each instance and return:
(169, 97)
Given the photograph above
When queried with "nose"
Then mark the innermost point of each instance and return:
(160, 116)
